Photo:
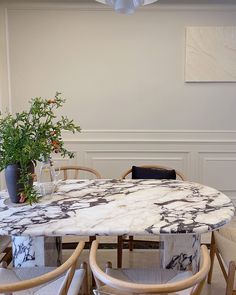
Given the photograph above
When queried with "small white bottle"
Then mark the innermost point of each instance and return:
(47, 178)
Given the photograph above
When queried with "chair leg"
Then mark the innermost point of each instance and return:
(212, 256)
(91, 239)
(131, 243)
(119, 251)
(108, 264)
(230, 280)
(199, 288)
(84, 287)
(3, 264)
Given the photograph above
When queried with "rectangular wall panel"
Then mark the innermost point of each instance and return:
(210, 54)
(114, 163)
(218, 170)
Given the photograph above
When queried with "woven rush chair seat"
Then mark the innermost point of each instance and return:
(65, 279)
(149, 280)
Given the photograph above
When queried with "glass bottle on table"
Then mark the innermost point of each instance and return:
(47, 178)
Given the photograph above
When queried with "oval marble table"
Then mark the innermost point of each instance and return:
(179, 211)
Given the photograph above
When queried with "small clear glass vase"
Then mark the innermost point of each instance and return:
(47, 178)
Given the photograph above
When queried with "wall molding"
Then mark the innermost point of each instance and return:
(161, 136)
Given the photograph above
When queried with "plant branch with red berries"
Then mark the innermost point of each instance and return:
(32, 136)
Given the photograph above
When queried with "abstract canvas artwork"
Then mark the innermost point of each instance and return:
(210, 54)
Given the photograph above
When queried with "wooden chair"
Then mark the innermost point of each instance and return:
(223, 245)
(5, 249)
(65, 279)
(147, 281)
(122, 239)
(76, 175)
(77, 170)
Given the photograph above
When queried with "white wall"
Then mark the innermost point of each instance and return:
(124, 79)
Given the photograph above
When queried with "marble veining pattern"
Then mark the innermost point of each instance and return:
(30, 251)
(115, 207)
(181, 252)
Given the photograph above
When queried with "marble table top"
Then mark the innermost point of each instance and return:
(117, 207)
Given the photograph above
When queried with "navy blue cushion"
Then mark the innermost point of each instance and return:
(152, 173)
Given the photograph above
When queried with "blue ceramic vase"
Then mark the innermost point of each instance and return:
(12, 176)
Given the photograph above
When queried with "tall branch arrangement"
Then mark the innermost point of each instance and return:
(32, 136)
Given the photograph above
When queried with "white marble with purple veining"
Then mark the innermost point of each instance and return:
(180, 252)
(30, 251)
(117, 207)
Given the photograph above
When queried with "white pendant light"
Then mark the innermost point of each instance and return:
(126, 6)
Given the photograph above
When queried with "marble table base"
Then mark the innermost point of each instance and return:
(36, 251)
(180, 252)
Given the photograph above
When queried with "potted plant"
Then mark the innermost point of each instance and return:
(28, 137)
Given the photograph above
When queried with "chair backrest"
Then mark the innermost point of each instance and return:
(178, 173)
(67, 267)
(76, 170)
(196, 281)
(226, 244)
